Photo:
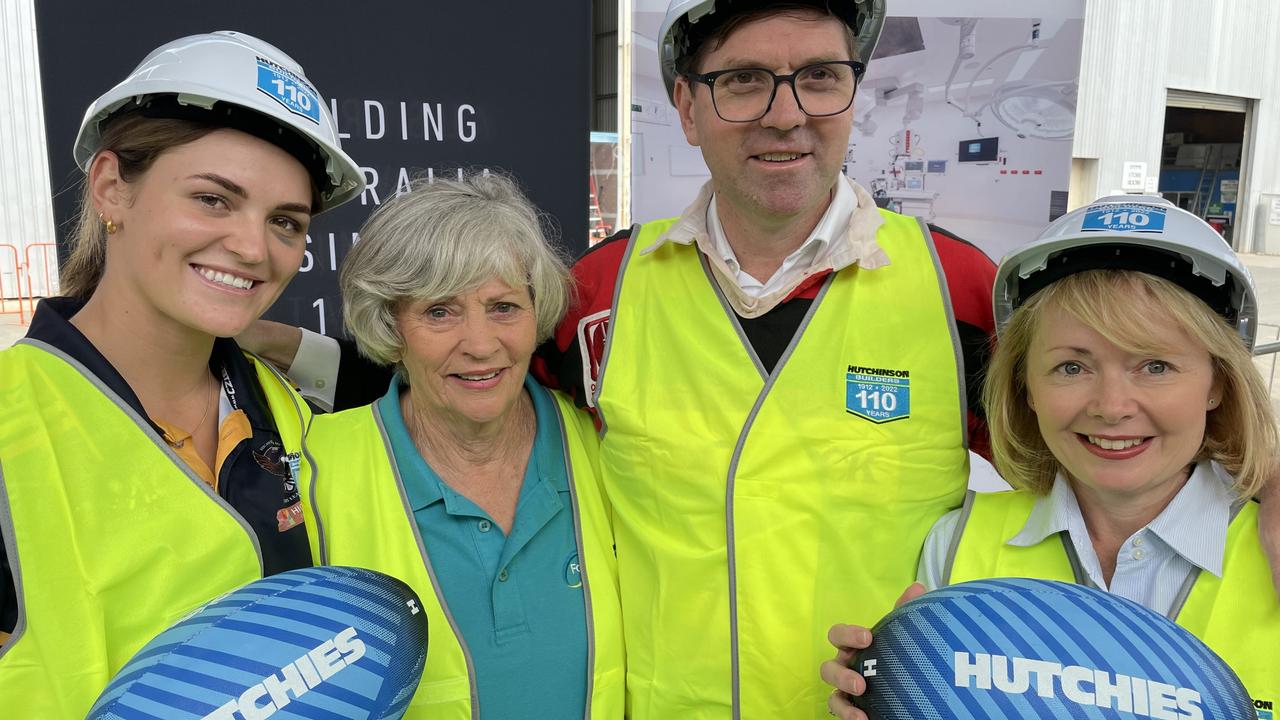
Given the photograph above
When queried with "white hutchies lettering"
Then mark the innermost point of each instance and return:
(297, 678)
(1142, 697)
(869, 668)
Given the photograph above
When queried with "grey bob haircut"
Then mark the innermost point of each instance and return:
(440, 239)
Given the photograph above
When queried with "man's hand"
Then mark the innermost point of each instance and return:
(836, 672)
(275, 342)
(1269, 525)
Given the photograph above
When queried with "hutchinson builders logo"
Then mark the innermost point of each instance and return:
(880, 395)
(1089, 687)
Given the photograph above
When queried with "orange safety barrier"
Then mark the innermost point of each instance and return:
(48, 270)
(11, 293)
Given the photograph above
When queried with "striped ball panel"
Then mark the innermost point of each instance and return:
(1021, 648)
(324, 642)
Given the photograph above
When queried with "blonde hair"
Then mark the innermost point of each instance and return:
(1240, 433)
(441, 238)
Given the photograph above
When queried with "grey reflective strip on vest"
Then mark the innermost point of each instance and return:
(608, 336)
(733, 317)
(1077, 568)
(15, 566)
(426, 560)
(150, 433)
(966, 510)
(733, 469)
(1179, 600)
(1073, 558)
(582, 560)
(304, 428)
(951, 326)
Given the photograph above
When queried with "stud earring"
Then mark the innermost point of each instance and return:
(112, 227)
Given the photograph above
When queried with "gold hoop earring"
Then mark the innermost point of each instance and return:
(112, 227)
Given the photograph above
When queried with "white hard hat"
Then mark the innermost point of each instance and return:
(237, 72)
(679, 35)
(1133, 232)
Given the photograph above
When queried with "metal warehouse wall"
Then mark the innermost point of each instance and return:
(26, 215)
(1135, 50)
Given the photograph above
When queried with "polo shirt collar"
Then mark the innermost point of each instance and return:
(51, 325)
(419, 494)
(547, 453)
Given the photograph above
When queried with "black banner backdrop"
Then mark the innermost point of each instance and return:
(416, 88)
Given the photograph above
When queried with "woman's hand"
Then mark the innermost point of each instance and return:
(848, 639)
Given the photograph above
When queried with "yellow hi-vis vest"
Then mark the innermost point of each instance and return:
(1236, 615)
(752, 510)
(111, 537)
(360, 516)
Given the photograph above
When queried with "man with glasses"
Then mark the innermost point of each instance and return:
(778, 373)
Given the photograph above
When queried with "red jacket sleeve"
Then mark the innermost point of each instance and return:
(970, 275)
(570, 360)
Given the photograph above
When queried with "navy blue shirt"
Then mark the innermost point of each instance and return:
(517, 599)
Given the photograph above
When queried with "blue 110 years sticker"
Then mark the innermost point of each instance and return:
(878, 394)
(289, 90)
(1123, 217)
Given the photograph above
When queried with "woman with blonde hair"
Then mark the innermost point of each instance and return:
(147, 465)
(1127, 413)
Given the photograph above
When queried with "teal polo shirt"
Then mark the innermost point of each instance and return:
(517, 600)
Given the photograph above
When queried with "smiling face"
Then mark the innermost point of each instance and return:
(209, 235)
(1123, 425)
(466, 357)
(784, 164)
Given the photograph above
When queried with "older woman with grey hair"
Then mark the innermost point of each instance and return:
(467, 479)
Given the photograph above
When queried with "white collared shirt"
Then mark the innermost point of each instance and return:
(1152, 565)
(844, 236)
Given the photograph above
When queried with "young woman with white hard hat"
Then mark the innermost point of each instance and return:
(147, 465)
(1125, 409)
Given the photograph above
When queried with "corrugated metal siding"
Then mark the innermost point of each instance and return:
(26, 211)
(1134, 50)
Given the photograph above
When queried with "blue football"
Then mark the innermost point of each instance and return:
(323, 642)
(1020, 648)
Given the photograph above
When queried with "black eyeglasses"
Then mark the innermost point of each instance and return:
(746, 94)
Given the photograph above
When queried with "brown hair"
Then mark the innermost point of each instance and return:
(710, 39)
(1240, 434)
(137, 141)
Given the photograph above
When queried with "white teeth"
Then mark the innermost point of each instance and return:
(225, 278)
(477, 378)
(779, 157)
(1106, 444)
